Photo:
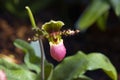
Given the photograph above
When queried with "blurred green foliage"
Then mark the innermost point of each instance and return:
(90, 11)
(17, 7)
(96, 12)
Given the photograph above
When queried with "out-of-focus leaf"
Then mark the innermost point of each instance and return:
(17, 7)
(116, 6)
(30, 59)
(101, 21)
(70, 67)
(20, 74)
(26, 47)
(82, 77)
(16, 72)
(100, 61)
(96, 9)
(36, 47)
(9, 65)
(31, 66)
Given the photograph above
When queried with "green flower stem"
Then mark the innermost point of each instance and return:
(40, 40)
(31, 17)
(42, 59)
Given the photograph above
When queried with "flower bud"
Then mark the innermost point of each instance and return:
(57, 51)
(2, 75)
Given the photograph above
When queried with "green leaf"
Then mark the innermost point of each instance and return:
(16, 72)
(74, 67)
(82, 77)
(20, 74)
(31, 66)
(30, 59)
(100, 61)
(116, 6)
(96, 9)
(9, 65)
(101, 21)
(70, 67)
(26, 47)
(52, 26)
(48, 71)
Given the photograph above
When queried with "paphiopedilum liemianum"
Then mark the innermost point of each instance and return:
(57, 48)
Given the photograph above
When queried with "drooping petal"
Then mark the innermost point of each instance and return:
(57, 51)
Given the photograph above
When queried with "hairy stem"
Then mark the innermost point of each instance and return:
(42, 59)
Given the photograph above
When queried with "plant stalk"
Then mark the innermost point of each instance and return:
(42, 59)
(31, 17)
(40, 41)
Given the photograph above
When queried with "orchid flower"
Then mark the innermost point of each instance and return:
(57, 48)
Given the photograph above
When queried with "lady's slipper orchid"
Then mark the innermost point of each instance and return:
(57, 48)
(2, 75)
